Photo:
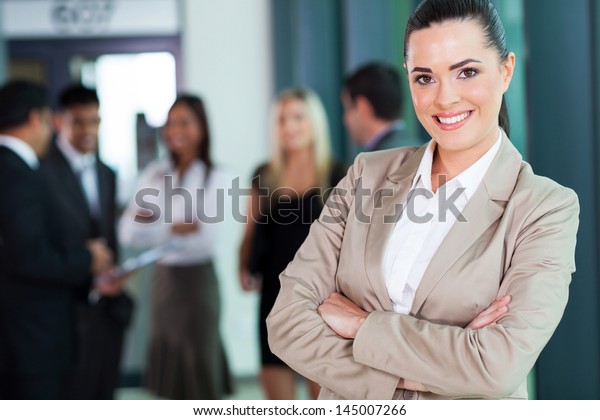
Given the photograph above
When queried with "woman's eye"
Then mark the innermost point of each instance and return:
(468, 73)
(423, 79)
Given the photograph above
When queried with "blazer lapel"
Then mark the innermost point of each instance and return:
(483, 209)
(103, 195)
(72, 188)
(387, 209)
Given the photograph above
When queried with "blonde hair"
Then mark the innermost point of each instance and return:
(321, 138)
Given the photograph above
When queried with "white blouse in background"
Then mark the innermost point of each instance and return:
(413, 244)
(199, 246)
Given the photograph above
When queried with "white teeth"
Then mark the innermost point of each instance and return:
(455, 119)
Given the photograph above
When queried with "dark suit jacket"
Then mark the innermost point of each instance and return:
(396, 137)
(67, 190)
(38, 274)
(100, 326)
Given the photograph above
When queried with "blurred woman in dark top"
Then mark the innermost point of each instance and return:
(288, 193)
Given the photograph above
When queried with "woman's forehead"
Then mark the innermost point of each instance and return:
(449, 41)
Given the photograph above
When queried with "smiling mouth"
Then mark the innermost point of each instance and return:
(453, 120)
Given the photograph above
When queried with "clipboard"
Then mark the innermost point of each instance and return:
(148, 257)
(144, 259)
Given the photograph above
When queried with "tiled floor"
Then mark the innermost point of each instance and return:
(245, 389)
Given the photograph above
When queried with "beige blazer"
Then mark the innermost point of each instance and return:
(519, 239)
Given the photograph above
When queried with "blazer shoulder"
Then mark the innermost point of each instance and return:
(260, 170)
(12, 166)
(382, 162)
(156, 168)
(543, 193)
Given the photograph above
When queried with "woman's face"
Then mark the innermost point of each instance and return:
(295, 131)
(456, 83)
(182, 132)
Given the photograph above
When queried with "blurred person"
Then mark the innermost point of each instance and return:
(373, 105)
(175, 196)
(381, 303)
(39, 271)
(297, 177)
(85, 189)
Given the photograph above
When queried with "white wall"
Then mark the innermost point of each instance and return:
(227, 60)
(80, 18)
(226, 48)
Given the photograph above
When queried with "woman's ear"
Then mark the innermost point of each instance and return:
(508, 69)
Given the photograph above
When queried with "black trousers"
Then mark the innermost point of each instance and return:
(32, 387)
(100, 333)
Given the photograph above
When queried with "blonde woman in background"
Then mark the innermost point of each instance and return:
(287, 196)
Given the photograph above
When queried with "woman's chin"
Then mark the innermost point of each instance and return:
(295, 146)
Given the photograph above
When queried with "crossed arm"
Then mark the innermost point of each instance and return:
(345, 318)
(388, 348)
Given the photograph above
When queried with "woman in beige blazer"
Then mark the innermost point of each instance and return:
(414, 243)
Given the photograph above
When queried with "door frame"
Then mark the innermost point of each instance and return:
(56, 54)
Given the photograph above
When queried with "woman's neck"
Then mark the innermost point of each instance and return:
(452, 163)
(448, 164)
(183, 163)
(302, 157)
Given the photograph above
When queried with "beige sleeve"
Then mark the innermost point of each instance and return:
(491, 362)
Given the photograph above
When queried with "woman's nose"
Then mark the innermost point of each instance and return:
(447, 95)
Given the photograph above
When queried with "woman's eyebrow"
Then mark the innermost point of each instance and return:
(462, 63)
(422, 70)
(452, 67)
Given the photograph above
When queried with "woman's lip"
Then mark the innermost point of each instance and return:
(455, 126)
(452, 114)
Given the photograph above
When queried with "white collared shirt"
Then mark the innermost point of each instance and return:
(423, 225)
(84, 166)
(22, 149)
(206, 201)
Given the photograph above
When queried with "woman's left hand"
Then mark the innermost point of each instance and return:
(184, 228)
(342, 315)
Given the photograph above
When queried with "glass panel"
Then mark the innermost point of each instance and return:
(512, 14)
(32, 69)
(135, 91)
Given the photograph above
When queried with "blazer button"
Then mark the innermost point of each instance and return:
(410, 395)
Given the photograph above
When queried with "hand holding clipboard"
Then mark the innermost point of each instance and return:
(114, 279)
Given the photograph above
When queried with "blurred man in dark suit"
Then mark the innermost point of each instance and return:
(85, 189)
(39, 272)
(372, 100)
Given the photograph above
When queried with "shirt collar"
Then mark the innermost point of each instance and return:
(469, 179)
(78, 161)
(22, 149)
(424, 170)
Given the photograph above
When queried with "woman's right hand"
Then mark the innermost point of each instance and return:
(182, 229)
(248, 281)
(144, 215)
(489, 316)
